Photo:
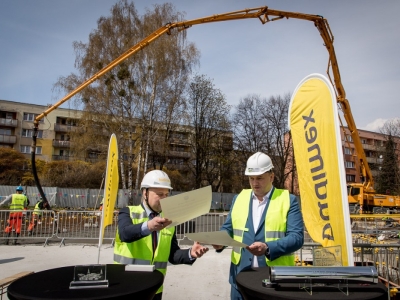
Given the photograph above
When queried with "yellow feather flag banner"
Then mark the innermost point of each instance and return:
(110, 187)
(314, 125)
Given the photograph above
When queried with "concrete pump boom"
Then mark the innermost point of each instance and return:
(265, 15)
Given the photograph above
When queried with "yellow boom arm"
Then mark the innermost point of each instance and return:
(264, 14)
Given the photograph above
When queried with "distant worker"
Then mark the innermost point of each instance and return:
(18, 202)
(267, 219)
(101, 205)
(37, 214)
(142, 236)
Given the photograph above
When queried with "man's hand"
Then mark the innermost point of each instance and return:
(197, 250)
(218, 247)
(257, 248)
(157, 223)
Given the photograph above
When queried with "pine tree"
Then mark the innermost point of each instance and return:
(388, 180)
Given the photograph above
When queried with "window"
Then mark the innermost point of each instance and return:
(349, 164)
(177, 161)
(31, 117)
(348, 151)
(179, 149)
(5, 131)
(64, 153)
(350, 178)
(27, 149)
(64, 137)
(349, 138)
(94, 155)
(29, 132)
(363, 141)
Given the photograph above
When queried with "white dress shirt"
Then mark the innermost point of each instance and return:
(258, 210)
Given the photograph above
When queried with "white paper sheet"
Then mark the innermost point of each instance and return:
(187, 206)
(214, 238)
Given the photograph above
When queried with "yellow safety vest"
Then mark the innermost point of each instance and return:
(18, 202)
(140, 252)
(275, 223)
(37, 210)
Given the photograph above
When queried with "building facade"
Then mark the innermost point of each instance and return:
(53, 141)
(55, 131)
(373, 144)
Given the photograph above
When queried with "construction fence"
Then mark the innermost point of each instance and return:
(84, 225)
(91, 198)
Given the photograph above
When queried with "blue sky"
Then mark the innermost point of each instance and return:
(242, 57)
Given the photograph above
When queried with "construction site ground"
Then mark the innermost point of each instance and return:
(182, 281)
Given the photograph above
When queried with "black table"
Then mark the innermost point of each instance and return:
(249, 283)
(54, 284)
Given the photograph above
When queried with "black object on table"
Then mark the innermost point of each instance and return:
(250, 285)
(54, 284)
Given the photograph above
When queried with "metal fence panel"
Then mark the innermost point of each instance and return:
(91, 198)
(83, 225)
(43, 229)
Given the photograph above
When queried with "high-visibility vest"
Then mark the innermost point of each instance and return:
(37, 210)
(18, 202)
(274, 225)
(140, 252)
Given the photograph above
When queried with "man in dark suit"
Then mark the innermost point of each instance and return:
(142, 236)
(266, 219)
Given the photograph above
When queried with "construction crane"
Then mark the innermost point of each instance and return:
(362, 194)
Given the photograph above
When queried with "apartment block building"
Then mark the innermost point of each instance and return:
(373, 144)
(53, 141)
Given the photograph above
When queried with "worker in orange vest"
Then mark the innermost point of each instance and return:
(18, 202)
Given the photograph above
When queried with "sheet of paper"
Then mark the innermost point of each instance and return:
(187, 206)
(214, 238)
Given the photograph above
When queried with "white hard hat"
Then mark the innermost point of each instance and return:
(258, 164)
(156, 179)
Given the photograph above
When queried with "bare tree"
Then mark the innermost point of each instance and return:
(249, 130)
(278, 142)
(391, 128)
(208, 116)
(129, 100)
(261, 125)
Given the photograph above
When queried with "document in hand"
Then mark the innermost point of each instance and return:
(221, 238)
(187, 206)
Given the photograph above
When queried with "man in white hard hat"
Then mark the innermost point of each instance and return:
(267, 219)
(142, 236)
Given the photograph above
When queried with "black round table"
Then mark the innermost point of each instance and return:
(54, 284)
(250, 285)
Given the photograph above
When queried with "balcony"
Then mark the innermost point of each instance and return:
(8, 122)
(65, 128)
(180, 167)
(8, 139)
(179, 154)
(62, 157)
(374, 160)
(179, 140)
(61, 144)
